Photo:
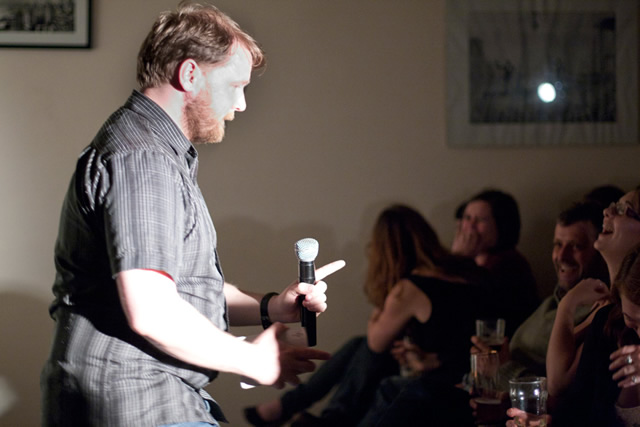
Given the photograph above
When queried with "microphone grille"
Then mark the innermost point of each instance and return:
(307, 249)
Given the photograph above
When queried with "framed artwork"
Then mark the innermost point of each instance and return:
(45, 23)
(552, 72)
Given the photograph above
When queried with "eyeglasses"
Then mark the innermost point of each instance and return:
(624, 209)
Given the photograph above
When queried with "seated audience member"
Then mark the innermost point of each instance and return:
(606, 389)
(574, 258)
(489, 232)
(620, 233)
(415, 286)
(455, 300)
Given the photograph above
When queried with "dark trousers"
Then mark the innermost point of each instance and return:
(424, 401)
(356, 370)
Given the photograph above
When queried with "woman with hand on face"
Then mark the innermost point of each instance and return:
(620, 234)
(488, 232)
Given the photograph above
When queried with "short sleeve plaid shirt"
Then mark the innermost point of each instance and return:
(132, 203)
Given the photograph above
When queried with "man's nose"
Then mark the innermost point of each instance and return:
(566, 253)
(241, 103)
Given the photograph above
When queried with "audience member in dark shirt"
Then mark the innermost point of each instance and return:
(606, 389)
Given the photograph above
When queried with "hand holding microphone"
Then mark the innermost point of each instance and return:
(285, 308)
(310, 293)
(292, 305)
(307, 251)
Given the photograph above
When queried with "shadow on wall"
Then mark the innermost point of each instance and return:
(25, 337)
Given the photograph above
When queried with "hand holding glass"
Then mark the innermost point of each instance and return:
(529, 394)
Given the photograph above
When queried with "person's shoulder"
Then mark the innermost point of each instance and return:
(119, 150)
(602, 315)
(128, 137)
(407, 289)
(404, 285)
(125, 131)
(422, 281)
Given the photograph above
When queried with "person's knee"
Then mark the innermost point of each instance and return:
(356, 342)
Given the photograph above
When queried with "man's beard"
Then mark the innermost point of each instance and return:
(201, 124)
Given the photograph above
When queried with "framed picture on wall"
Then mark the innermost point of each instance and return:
(553, 72)
(45, 23)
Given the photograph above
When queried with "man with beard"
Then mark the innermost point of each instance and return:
(574, 259)
(141, 305)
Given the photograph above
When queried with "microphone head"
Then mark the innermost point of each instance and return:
(307, 249)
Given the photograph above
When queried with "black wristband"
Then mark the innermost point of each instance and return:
(264, 309)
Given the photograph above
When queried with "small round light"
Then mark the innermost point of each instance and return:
(547, 92)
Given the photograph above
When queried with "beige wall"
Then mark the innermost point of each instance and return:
(348, 117)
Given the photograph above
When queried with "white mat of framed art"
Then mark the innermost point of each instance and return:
(552, 72)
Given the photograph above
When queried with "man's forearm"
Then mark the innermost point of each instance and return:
(156, 312)
(244, 307)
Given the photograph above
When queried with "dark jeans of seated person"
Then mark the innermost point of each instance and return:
(423, 401)
(356, 370)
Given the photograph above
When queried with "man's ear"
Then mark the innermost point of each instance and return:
(189, 74)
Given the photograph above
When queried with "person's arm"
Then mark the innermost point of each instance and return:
(244, 307)
(409, 354)
(565, 344)
(563, 353)
(404, 302)
(155, 311)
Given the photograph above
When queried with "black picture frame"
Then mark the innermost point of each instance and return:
(45, 24)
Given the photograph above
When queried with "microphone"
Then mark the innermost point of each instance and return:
(307, 251)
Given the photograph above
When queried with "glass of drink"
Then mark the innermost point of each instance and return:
(491, 332)
(529, 394)
(484, 380)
